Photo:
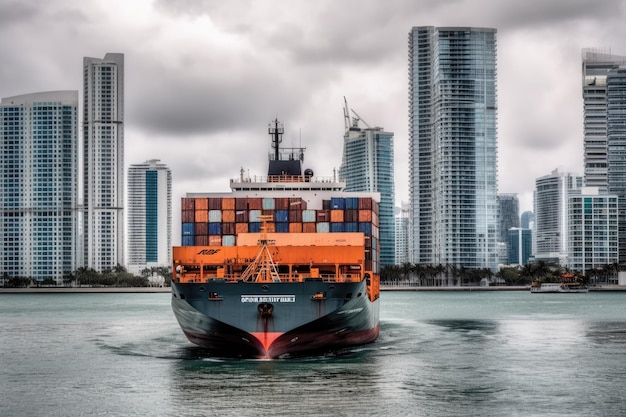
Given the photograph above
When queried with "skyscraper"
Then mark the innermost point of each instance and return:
(452, 146)
(149, 216)
(39, 187)
(596, 66)
(520, 246)
(103, 161)
(367, 165)
(508, 214)
(551, 215)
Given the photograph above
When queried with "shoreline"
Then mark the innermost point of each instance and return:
(383, 288)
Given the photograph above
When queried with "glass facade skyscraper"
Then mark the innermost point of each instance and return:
(103, 161)
(149, 216)
(39, 186)
(367, 165)
(452, 146)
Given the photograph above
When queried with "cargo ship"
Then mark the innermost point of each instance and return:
(284, 265)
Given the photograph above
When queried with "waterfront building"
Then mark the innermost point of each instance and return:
(527, 219)
(402, 234)
(149, 216)
(595, 68)
(592, 229)
(550, 240)
(39, 187)
(103, 161)
(508, 217)
(367, 165)
(452, 146)
(616, 144)
(520, 246)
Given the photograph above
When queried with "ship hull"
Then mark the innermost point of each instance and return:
(275, 320)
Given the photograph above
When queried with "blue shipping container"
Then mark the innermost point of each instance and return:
(254, 227)
(282, 227)
(337, 227)
(337, 203)
(215, 228)
(281, 216)
(351, 227)
(188, 229)
(188, 241)
(352, 203)
(365, 228)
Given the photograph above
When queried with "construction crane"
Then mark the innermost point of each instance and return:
(355, 120)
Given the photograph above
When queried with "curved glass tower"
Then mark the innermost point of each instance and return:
(452, 146)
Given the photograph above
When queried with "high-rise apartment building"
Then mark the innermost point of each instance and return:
(149, 216)
(520, 246)
(103, 161)
(402, 233)
(452, 146)
(367, 165)
(508, 216)
(551, 215)
(592, 230)
(595, 67)
(527, 219)
(39, 186)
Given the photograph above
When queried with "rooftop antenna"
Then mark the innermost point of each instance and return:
(346, 114)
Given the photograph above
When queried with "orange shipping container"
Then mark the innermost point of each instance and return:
(202, 216)
(228, 216)
(309, 228)
(336, 216)
(295, 227)
(201, 204)
(255, 203)
(241, 227)
(228, 203)
(215, 240)
(365, 216)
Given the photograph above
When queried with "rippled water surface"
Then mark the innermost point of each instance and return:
(439, 354)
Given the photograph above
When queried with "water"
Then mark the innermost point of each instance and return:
(439, 354)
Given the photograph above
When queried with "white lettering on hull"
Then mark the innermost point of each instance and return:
(268, 298)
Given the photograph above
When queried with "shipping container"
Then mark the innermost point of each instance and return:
(201, 204)
(215, 228)
(201, 216)
(326, 204)
(202, 228)
(351, 215)
(188, 229)
(188, 204)
(228, 228)
(201, 240)
(322, 227)
(241, 228)
(215, 216)
(228, 203)
(308, 216)
(337, 203)
(322, 216)
(365, 216)
(309, 227)
(297, 203)
(268, 203)
(295, 216)
(365, 203)
(281, 216)
(228, 216)
(241, 203)
(352, 203)
(254, 227)
(188, 216)
(281, 203)
(188, 241)
(228, 240)
(282, 227)
(241, 216)
(254, 216)
(215, 240)
(255, 203)
(351, 227)
(215, 203)
(365, 228)
(336, 216)
(337, 227)
(295, 227)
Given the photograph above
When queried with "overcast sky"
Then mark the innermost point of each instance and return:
(203, 77)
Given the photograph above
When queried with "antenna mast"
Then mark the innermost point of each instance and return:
(276, 131)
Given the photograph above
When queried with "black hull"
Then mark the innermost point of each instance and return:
(234, 319)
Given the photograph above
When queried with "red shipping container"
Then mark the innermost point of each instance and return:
(255, 204)
(215, 240)
(228, 228)
(241, 216)
(188, 203)
(215, 203)
(309, 227)
(202, 228)
(281, 203)
(241, 227)
(188, 216)
(201, 240)
(295, 216)
(365, 203)
(351, 216)
(241, 203)
(323, 216)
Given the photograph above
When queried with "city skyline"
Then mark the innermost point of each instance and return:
(298, 66)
